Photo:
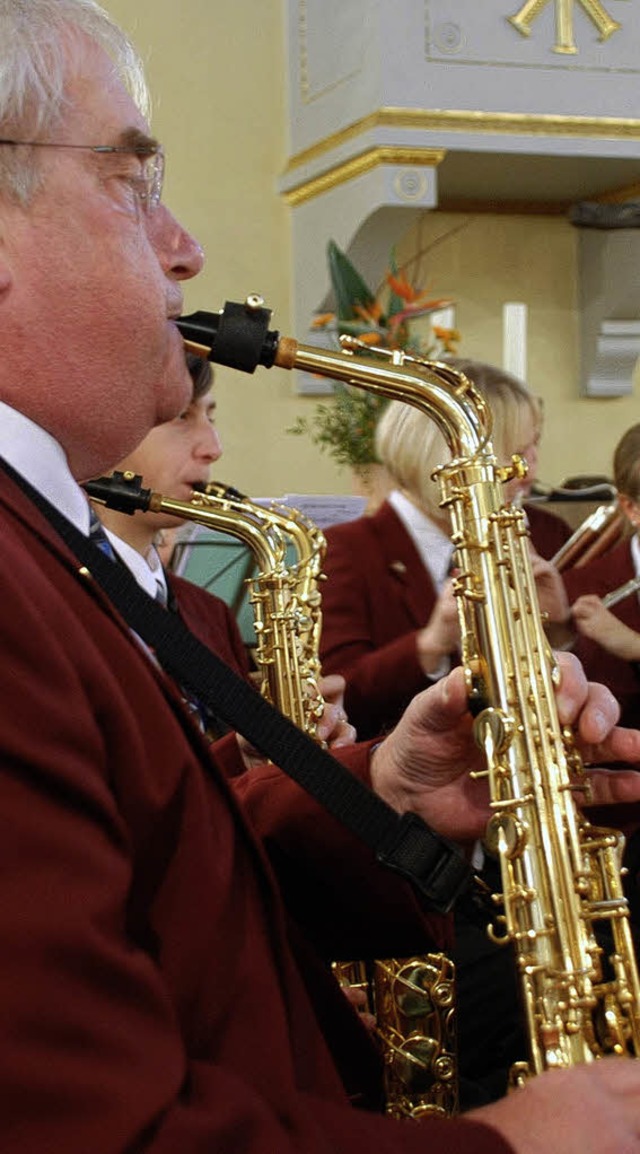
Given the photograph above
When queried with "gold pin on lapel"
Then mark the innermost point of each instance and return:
(398, 567)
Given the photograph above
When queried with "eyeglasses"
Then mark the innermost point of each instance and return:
(148, 182)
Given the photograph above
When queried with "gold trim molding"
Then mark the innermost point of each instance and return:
(495, 123)
(358, 165)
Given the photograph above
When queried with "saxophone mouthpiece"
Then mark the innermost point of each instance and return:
(121, 491)
(218, 489)
(238, 336)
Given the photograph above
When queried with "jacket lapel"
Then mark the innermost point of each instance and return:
(403, 563)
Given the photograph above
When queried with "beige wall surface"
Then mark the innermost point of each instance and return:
(217, 73)
(483, 261)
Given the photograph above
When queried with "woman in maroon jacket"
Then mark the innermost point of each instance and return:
(390, 624)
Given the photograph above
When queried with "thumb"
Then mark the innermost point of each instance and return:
(441, 705)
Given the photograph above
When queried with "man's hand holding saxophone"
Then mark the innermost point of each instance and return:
(423, 765)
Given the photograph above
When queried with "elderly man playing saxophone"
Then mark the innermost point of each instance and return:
(155, 993)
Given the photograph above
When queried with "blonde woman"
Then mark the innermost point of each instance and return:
(389, 618)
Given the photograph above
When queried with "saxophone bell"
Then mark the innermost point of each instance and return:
(413, 1000)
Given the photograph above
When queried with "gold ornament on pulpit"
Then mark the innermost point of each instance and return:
(597, 13)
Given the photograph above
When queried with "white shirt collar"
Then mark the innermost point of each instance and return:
(41, 460)
(147, 571)
(432, 544)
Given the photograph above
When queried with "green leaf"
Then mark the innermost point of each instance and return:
(396, 303)
(348, 286)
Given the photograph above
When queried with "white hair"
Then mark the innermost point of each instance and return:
(40, 42)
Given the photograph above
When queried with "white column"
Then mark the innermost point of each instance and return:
(514, 339)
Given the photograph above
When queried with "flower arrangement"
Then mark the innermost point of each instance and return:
(345, 426)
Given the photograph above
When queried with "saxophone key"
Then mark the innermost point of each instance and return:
(505, 835)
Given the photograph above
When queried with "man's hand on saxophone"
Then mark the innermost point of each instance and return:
(590, 1109)
(423, 765)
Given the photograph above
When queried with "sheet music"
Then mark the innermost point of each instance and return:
(323, 509)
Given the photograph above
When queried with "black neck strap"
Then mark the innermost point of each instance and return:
(435, 866)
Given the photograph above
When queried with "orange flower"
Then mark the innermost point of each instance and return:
(322, 319)
(370, 314)
(449, 338)
(400, 285)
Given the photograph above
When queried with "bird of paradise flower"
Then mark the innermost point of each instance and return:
(345, 427)
(383, 318)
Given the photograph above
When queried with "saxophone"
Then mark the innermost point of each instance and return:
(412, 998)
(285, 598)
(561, 877)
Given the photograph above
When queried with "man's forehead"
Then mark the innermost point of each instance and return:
(98, 101)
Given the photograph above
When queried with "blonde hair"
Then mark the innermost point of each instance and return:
(410, 445)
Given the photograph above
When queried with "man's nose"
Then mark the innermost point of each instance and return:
(178, 251)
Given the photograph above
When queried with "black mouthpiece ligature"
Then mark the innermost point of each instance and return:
(237, 336)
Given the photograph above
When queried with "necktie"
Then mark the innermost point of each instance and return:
(161, 593)
(198, 711)
(98, 535)
(99, 538)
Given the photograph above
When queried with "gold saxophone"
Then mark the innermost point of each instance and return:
(412, 998)
(561, 877)
(284, 596)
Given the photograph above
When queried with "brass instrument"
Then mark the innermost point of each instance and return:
(413, 1000)
(597, 533)
(284, 597)
(560, 875)
(619, 594)
(286, 601)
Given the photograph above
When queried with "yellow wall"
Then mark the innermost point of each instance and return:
(484, 260)
(218, 76)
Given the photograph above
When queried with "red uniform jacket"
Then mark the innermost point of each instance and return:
(377, 596)
(548, 531)
(212, 621)
(602, 576)
(154, 994)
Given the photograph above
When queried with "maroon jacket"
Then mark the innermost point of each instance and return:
(154, 993)
(212, 621)
(602, 576)
(548, 531)
(377, 596)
